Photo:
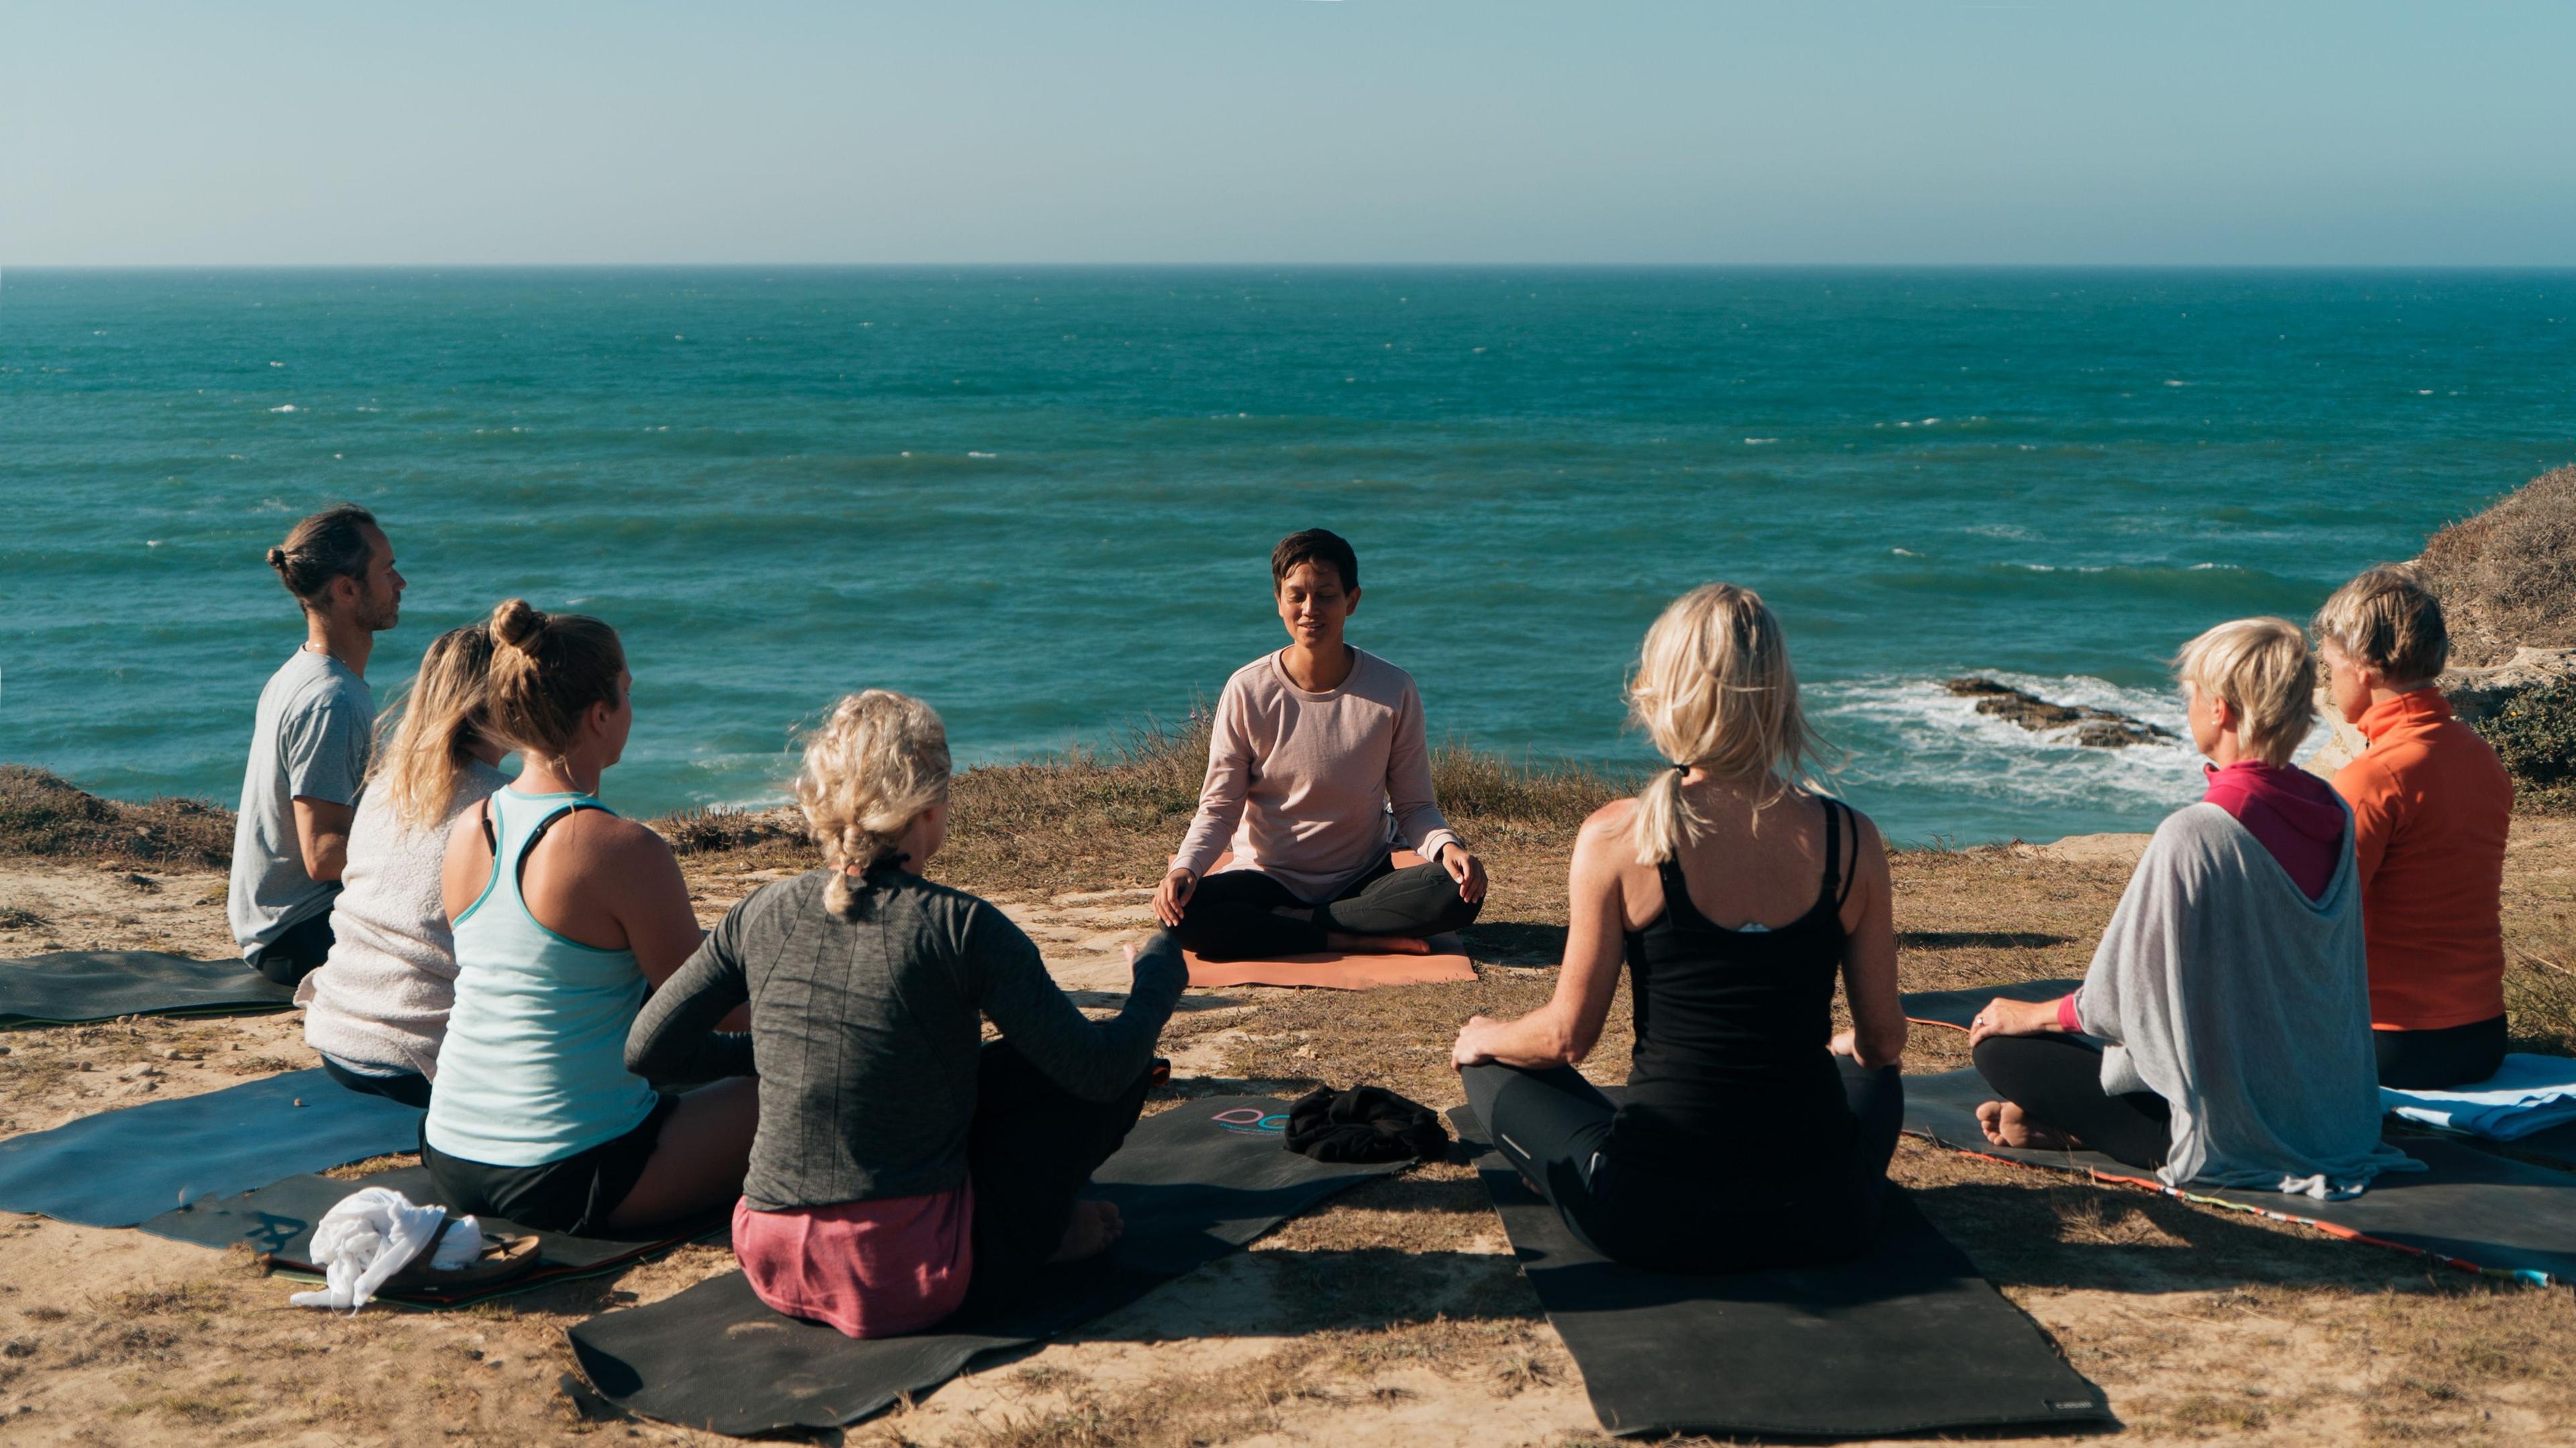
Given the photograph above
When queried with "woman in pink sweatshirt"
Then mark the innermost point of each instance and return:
(1317, 769)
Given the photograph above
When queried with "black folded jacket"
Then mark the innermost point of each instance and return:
(1365, 1123)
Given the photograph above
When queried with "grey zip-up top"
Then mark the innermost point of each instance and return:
(864, 1031)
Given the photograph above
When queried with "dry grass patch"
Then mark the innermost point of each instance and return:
(2507, 577)
(45, 816)
(1106, 818)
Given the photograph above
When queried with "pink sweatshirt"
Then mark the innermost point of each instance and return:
(1299, 784)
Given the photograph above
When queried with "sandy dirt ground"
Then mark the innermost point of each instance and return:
(1394, 1315)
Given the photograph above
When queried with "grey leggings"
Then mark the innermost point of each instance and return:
(1233, 914)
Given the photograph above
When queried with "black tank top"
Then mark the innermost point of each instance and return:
(1732, 1030)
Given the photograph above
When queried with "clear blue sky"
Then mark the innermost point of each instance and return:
(1288, 131)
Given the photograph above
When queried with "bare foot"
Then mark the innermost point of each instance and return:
(1094, 1227)
(1376, 944)
(2006, 1124)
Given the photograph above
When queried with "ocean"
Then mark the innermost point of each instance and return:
(1044, 499)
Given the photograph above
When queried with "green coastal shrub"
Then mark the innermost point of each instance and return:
(2535, 736)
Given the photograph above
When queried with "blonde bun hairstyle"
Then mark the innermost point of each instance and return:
(547, 670)
(870, 770)
(1714, 690)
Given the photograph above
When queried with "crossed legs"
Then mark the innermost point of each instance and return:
(1236, 914)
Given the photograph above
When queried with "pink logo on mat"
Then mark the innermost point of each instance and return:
(1251, 1121)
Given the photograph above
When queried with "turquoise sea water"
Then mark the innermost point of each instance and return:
(1044, 499)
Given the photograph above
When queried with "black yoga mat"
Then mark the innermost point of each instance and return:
(1909, 1339)
(278, 1219)
(1194, 1183)
(2471, 1209)
(69, 987)
(1959, 1007)
(118, 1168)
(2554, 1147)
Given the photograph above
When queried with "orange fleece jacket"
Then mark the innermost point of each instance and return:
(2431, 804)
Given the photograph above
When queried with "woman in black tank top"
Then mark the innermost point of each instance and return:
(1749, 1134)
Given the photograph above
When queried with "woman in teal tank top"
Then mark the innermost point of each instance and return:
(566, 916)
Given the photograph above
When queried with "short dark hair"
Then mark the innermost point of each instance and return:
(330, 544)
(1314, 545)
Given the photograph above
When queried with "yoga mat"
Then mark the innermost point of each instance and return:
(69, 987)
(1193, 1183)
(120, 1168)
(1908, 1339)
(2554, 1146)
(2472, 1209)
(1334, 970)
(278, 1220)
(1956, 1008)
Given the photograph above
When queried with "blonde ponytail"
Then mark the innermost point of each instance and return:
(427, 738)
(870, 770)
(1714, 690)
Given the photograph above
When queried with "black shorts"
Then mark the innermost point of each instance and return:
(575, 1196)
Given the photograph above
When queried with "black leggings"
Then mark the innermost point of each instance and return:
(297, 953)
(408, 1087)
(1232, 915)
(1553, 1125)
(2057, 1081)
(2436, 1060)
(1031, 1150)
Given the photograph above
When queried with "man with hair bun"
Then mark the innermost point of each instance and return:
(2431, 806)
(308, 744)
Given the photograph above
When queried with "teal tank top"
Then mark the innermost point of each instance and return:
(533, 1068)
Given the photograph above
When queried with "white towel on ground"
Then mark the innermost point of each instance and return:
(2530, 1093)
(373, 1233)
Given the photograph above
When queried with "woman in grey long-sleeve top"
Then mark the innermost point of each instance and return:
(902, 1168)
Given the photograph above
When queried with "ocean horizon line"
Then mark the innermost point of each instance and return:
(1580, 268)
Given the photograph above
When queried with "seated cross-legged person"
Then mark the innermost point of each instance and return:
(377, 1009)
(2431, 806)
(308, 744)
(1311, 748)
(903, 1167)
(564, 916)
(1752, 1134)
(2230, 983)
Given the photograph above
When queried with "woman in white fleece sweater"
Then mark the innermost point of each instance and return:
(1317, 766)
(377, 1009)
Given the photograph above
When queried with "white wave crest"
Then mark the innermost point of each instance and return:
(1919, 734)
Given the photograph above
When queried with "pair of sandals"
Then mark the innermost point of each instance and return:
(501, 1259)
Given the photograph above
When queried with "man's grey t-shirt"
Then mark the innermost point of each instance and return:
(309, 738)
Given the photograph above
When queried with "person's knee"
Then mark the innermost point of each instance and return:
(1992, 1055)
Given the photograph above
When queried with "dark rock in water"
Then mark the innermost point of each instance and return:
(2099, 728)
